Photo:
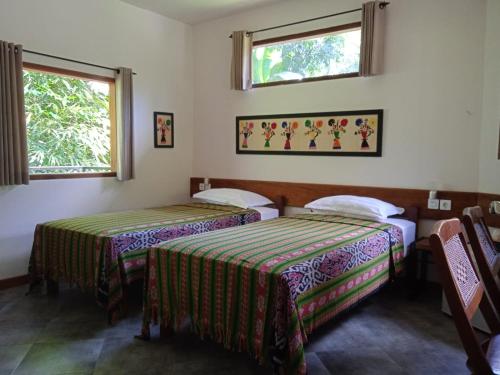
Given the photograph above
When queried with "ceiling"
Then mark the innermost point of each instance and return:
(197, 11)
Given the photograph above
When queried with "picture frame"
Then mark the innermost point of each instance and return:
(341, 133)
(163, 129)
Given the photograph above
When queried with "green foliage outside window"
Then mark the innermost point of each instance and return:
(314, 57)
(67, 123)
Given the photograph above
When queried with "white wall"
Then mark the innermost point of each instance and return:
(431, 93)
(109, 33)
(489, 165)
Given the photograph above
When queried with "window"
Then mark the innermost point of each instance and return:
(321, 54)
(70, 123)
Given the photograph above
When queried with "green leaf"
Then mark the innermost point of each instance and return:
(67, 121)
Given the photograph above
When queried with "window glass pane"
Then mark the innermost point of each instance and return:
(317, 56)
(68, 124)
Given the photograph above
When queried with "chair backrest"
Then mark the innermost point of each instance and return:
(478, 231)
(463, 288)
(487, 258)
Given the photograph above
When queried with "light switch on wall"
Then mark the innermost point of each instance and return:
(202, 186)
(433, 204)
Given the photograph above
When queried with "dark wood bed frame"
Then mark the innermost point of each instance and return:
(298, 194)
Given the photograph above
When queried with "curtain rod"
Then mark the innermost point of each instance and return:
(71, 60)
(382, 5)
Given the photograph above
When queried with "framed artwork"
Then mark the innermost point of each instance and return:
(164, 129)
(348, 133)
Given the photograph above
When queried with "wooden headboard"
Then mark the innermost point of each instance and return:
(298, 194)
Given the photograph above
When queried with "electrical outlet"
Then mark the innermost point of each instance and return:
(433, 204)
(201, 187)
(445, 205)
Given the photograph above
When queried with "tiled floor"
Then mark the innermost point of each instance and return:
(68, 334)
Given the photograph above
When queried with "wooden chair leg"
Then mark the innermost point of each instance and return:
(52, 287)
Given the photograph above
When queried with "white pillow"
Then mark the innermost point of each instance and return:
(354, 206)
(234, 197)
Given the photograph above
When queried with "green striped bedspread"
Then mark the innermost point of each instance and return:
(264, 287)
(103, 252)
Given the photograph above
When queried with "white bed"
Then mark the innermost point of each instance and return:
(409, 231)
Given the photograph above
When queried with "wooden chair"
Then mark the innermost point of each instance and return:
(485, 253)
(465, 293)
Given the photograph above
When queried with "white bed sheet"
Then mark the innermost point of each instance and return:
(267, 213)
(409, 231)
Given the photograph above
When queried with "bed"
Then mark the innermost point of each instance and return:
(104, 253)
(263, 288)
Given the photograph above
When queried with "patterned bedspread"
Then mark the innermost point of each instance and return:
(264, 287)
(103, 252)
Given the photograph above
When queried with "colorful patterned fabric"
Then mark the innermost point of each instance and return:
(269, 284)
(103, 252)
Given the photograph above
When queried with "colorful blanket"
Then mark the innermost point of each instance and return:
(264, 287)
(103, 252)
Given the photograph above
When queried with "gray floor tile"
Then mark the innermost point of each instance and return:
(360, 360)
(11, 356)
(61, 358)
(31, 309)
(132, 356)
(388, 334)
(315, 366)
(56, 331)
(16, 333)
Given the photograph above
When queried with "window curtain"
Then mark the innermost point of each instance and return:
(14, 169)
(241, 64)
(372, 39)
(124, 124)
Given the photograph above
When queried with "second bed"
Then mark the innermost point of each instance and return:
(265, 287)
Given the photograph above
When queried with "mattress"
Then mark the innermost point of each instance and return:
(267, 213)
(409, 231)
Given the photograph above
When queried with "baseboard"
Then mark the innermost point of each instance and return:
(14, 281)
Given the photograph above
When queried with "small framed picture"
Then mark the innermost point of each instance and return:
(164, 129)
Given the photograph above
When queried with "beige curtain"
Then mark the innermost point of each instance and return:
(124, 124)
(14, 169)
(372, 39)
(241, 64)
